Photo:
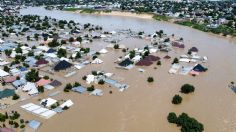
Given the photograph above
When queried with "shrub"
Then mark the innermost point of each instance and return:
(68, 86)
(116, 46)
(15, 97)
(22, 126)
(53, 106)
(159, 63)
(176, 60)
(150, 79)
(66, 90)
(65, 108)
(22, 121)
(94, 57)
(41, 89)
(10, 122)
(101, 82)
(6, 68)
(46, 77)
(90, 89)
(77, 84)
(2, 117)
(187, 88)
(16, 125)
(15, 116)
(84, 77)
(176, 99)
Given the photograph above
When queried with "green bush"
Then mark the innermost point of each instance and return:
(41, 89)
(22, 126)
(90, 89)
(176, 60)
(150, 79)
(159, 63)
(116, 46)
(77, 84)
(84, 77)
(15, 97)
(65, 108)
(66, 90)
(101, 82)
(46, 77)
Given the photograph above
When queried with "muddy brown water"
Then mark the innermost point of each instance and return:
(144, 106)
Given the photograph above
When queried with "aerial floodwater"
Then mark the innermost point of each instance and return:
(144, 107)
(127, 72)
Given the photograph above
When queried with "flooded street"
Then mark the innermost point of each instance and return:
(145, 106)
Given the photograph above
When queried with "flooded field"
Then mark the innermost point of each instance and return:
(144, 106)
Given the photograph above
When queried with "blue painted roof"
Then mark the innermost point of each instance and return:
(23, 69)
(79, 89)
(18, 83)
(34, 124)
(58, 110)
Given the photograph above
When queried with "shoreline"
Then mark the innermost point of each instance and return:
(119, 13)
(148, 17)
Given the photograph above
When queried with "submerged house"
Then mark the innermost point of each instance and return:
(51, 51)
(41, 62)
(97, 92)
(55, 83)
(62, 65)
(125, 63)
(3, 73)
(19, 83)
(193, 49)
(199, 68)
(167, 57)
(6, 93)
(30, 88)
(148, 60)
(79, 89)
(178, 44)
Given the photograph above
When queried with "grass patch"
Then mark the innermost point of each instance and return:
(161, 18)
(224, 29)
(71, 9)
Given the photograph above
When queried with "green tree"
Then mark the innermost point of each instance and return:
(79, 39)
(78, 55)
(187, 88)
(176, 99)
(41, 89)
(61, 53)
(32, 76)
(18, 49)
(53, 43)
(172, 117)
(6, 68)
